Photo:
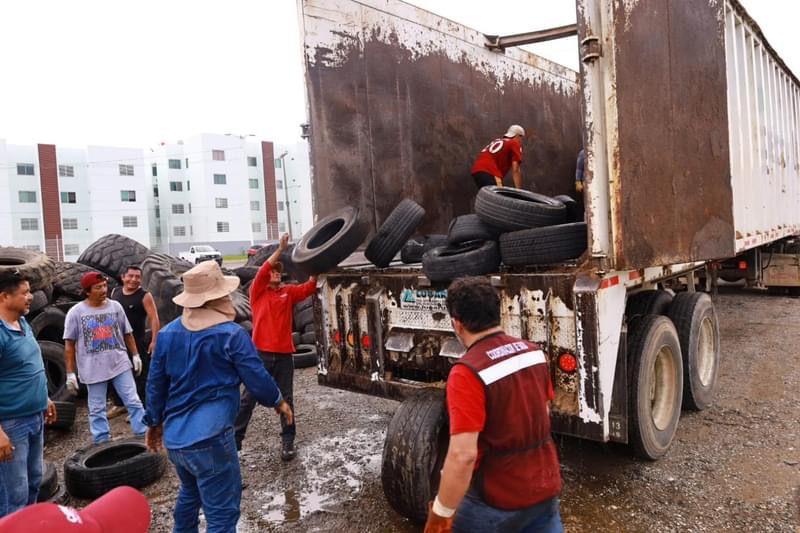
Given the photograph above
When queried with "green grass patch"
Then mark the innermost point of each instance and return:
(234, 258)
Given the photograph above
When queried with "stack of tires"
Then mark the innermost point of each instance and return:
(304, 337)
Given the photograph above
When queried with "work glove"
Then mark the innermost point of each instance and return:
(72, 382)
(137, 365)
(436, 523)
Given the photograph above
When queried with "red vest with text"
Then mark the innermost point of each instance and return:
(519, 464)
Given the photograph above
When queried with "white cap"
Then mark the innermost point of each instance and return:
(515, 130)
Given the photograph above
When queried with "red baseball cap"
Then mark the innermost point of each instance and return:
(121, 510)
(91, 278)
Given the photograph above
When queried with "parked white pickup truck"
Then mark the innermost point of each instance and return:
(201, 252)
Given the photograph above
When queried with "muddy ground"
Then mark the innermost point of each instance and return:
(733, 467)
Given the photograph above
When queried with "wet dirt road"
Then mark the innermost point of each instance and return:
(733, 467)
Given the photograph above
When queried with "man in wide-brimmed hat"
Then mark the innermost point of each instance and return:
(193, 397)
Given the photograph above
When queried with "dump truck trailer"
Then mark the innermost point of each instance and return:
(689, 120)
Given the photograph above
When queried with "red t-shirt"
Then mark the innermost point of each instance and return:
(497, 156)
(272, 311)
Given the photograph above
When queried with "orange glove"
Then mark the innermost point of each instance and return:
(436, 523)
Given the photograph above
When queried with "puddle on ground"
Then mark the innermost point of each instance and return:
(335, 468)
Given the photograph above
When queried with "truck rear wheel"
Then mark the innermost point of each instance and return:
(656, 383)
(698, 330)
(414, 452)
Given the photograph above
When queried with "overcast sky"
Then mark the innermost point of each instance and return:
(139, 72)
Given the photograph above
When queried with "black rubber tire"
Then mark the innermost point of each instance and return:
(290, 271)
(467, 259)
(542, 246)
(695, 319)
(113, 253)
(49, 484)
(160, 276)
(241, 303)
(303, 317)
(49, 325)
(65, 416)
(297, 338)
(308, 338)
(305, 355)
(575, 212)
(247, 326)
(415, 248)
(470, 228)
(91, 472)
(414, 452)
(650, 302)
(330, 241)
(651, 440)
(67, 280)
(36, 267)
(245, 274)
(39, 302)
(513, 209)
(60, 497)
(304, 304)
(55, 367)
(394, 232)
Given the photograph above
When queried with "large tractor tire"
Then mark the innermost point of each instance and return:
(112, 254)
(36, 267)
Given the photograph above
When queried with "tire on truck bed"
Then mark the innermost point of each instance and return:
(112, 254)
(447, 263)
(394, 232)
(330, 241)
(513, 209)
(413, 453)
(36, 267)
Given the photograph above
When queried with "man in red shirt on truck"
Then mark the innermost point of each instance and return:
(272, 303)
(500, 155)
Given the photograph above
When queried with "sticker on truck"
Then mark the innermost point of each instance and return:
(423, 300)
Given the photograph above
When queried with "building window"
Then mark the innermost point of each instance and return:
(69, 223)
(281, 207)
(282, 227)
(71, 249)
(190, 207)
(126, 170)
(218, 155)
(253, 183)
(158, 212)
(155, 191)
(155, 169)
(29, 224)
(176, 185)
(223, 227)
(130, 222)
(68, 197)
(252, 161)
(256, 227)
(188, 185)
(66, 171)
(28, 197)
(177, 209)
(179, 231)
(25, 169)
(221, 203)
(34, 247)
(127, 196)
(191, 230)
(220, 179)
(158, 231)
(187, 162)
(255, 206)
(278, 163)
(175, 164)
(279, 184)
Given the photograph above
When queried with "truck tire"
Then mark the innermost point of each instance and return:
(394, 232)
(91, 472)
(447, 263)
(297, 338)
(245, 274)
(513, 209)
(414, 452)
(415, 248)
(55, 368)
(49, 325)
(303, 317)
(49, 484)
(111, 254)
(470, 228)
(650, 302)
(65, 415)
(247, 326)
(36, 267)
(39, 302)
(160, 277)
(305, 355)
(308, 338)
(67, 280)
(305, 303)
(241, 303)
(695, 319)
(541, 246)
(330, 241)
(290, 271)
(60, 496)
(655, 377)
(574, 211)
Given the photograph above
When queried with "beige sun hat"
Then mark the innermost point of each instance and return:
(203, 283)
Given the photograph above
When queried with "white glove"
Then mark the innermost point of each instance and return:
(137, 364)
(72, 382)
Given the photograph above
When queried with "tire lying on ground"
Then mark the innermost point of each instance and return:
(574, 211)
(49, 324)
(160, 276)
(467, 259)
(467, 228)
(65, 416)
(650, 302)
(91, 472)
(330, 241)
(67, 280)
(414, 452)
(394, 232)
(36, 267)
(513, 209)
(49, 484)
(54, 367)
(541, 246)
(305, 355)
(112, 254)
(695, 319)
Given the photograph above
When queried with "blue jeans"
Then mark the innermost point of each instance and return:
(210, 476)
(126, 389)
(475, 516)
(20, 478)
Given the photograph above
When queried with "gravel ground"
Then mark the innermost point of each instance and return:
(733, 467)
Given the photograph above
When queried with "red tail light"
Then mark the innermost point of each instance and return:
(351, 339)
(366, 342)
(567, 363)
(336, 337)
(742, 265)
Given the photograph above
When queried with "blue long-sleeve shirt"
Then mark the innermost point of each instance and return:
(194, 377)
